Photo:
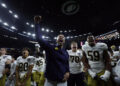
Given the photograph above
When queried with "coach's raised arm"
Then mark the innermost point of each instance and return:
(57, 65)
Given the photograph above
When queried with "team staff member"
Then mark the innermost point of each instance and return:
(57, 64)
(4, 65)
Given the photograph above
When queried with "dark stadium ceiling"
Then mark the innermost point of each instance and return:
(96, 16)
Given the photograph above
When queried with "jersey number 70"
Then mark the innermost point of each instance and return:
(94, 55)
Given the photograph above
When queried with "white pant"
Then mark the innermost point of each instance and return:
(52, 83)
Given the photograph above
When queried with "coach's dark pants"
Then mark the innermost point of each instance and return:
(76, 80)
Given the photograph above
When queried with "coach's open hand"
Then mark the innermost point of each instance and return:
(37, 19)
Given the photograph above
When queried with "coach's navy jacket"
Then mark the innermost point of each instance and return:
(56, 58)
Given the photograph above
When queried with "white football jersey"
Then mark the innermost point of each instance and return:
(39, 64)
(116, 54)
(117, 69)
(95, 56)
(75, 63)
(2, 64)
(24, 63)
(8, 57)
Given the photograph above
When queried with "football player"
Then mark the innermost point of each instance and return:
(4, 65)
(96, 59)
(116, 67)
(38, 69)
(24, 68)
(76, 73)
(11, 79)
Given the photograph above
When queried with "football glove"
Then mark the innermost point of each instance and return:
(105, 76)
(92, 74)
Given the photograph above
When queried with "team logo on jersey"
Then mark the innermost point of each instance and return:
(56, 48)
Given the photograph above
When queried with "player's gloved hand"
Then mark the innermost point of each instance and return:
(106, 76)
(1, 75)
(92, 74)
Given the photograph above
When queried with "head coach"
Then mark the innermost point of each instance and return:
(57, 64)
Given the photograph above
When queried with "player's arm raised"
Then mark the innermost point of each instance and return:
(42, 42)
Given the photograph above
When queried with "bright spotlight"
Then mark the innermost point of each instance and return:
(10, 12)
(52, 31)
(3, 5)
(5, 23)
(47, 30)
(46, 37)
(32, 25)
(13, 27)
(0, 20)
(33, 35)
(27, 23)
(55, 37)
(29, 33)
(43, 37)
(24, 32)
(65, 31)
(16, 16)
(43, 29)
(68, 37)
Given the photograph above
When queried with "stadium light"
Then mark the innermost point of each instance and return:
(46, 37)
(5, 23)
(32, 26)
(43, 37)
(52, 31)
(24, 32)
(47, 30)
(43, 29)
(65, 31)
(71, 37)
(13, 27)
(68, 37)
(33, 35)
(10, 12)
(3, 5)
(29, 33)
(27, 23)
(55, 37)
(0, 20)
(69, 30)
(16, 16)
(75, 36)
(61, 31)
